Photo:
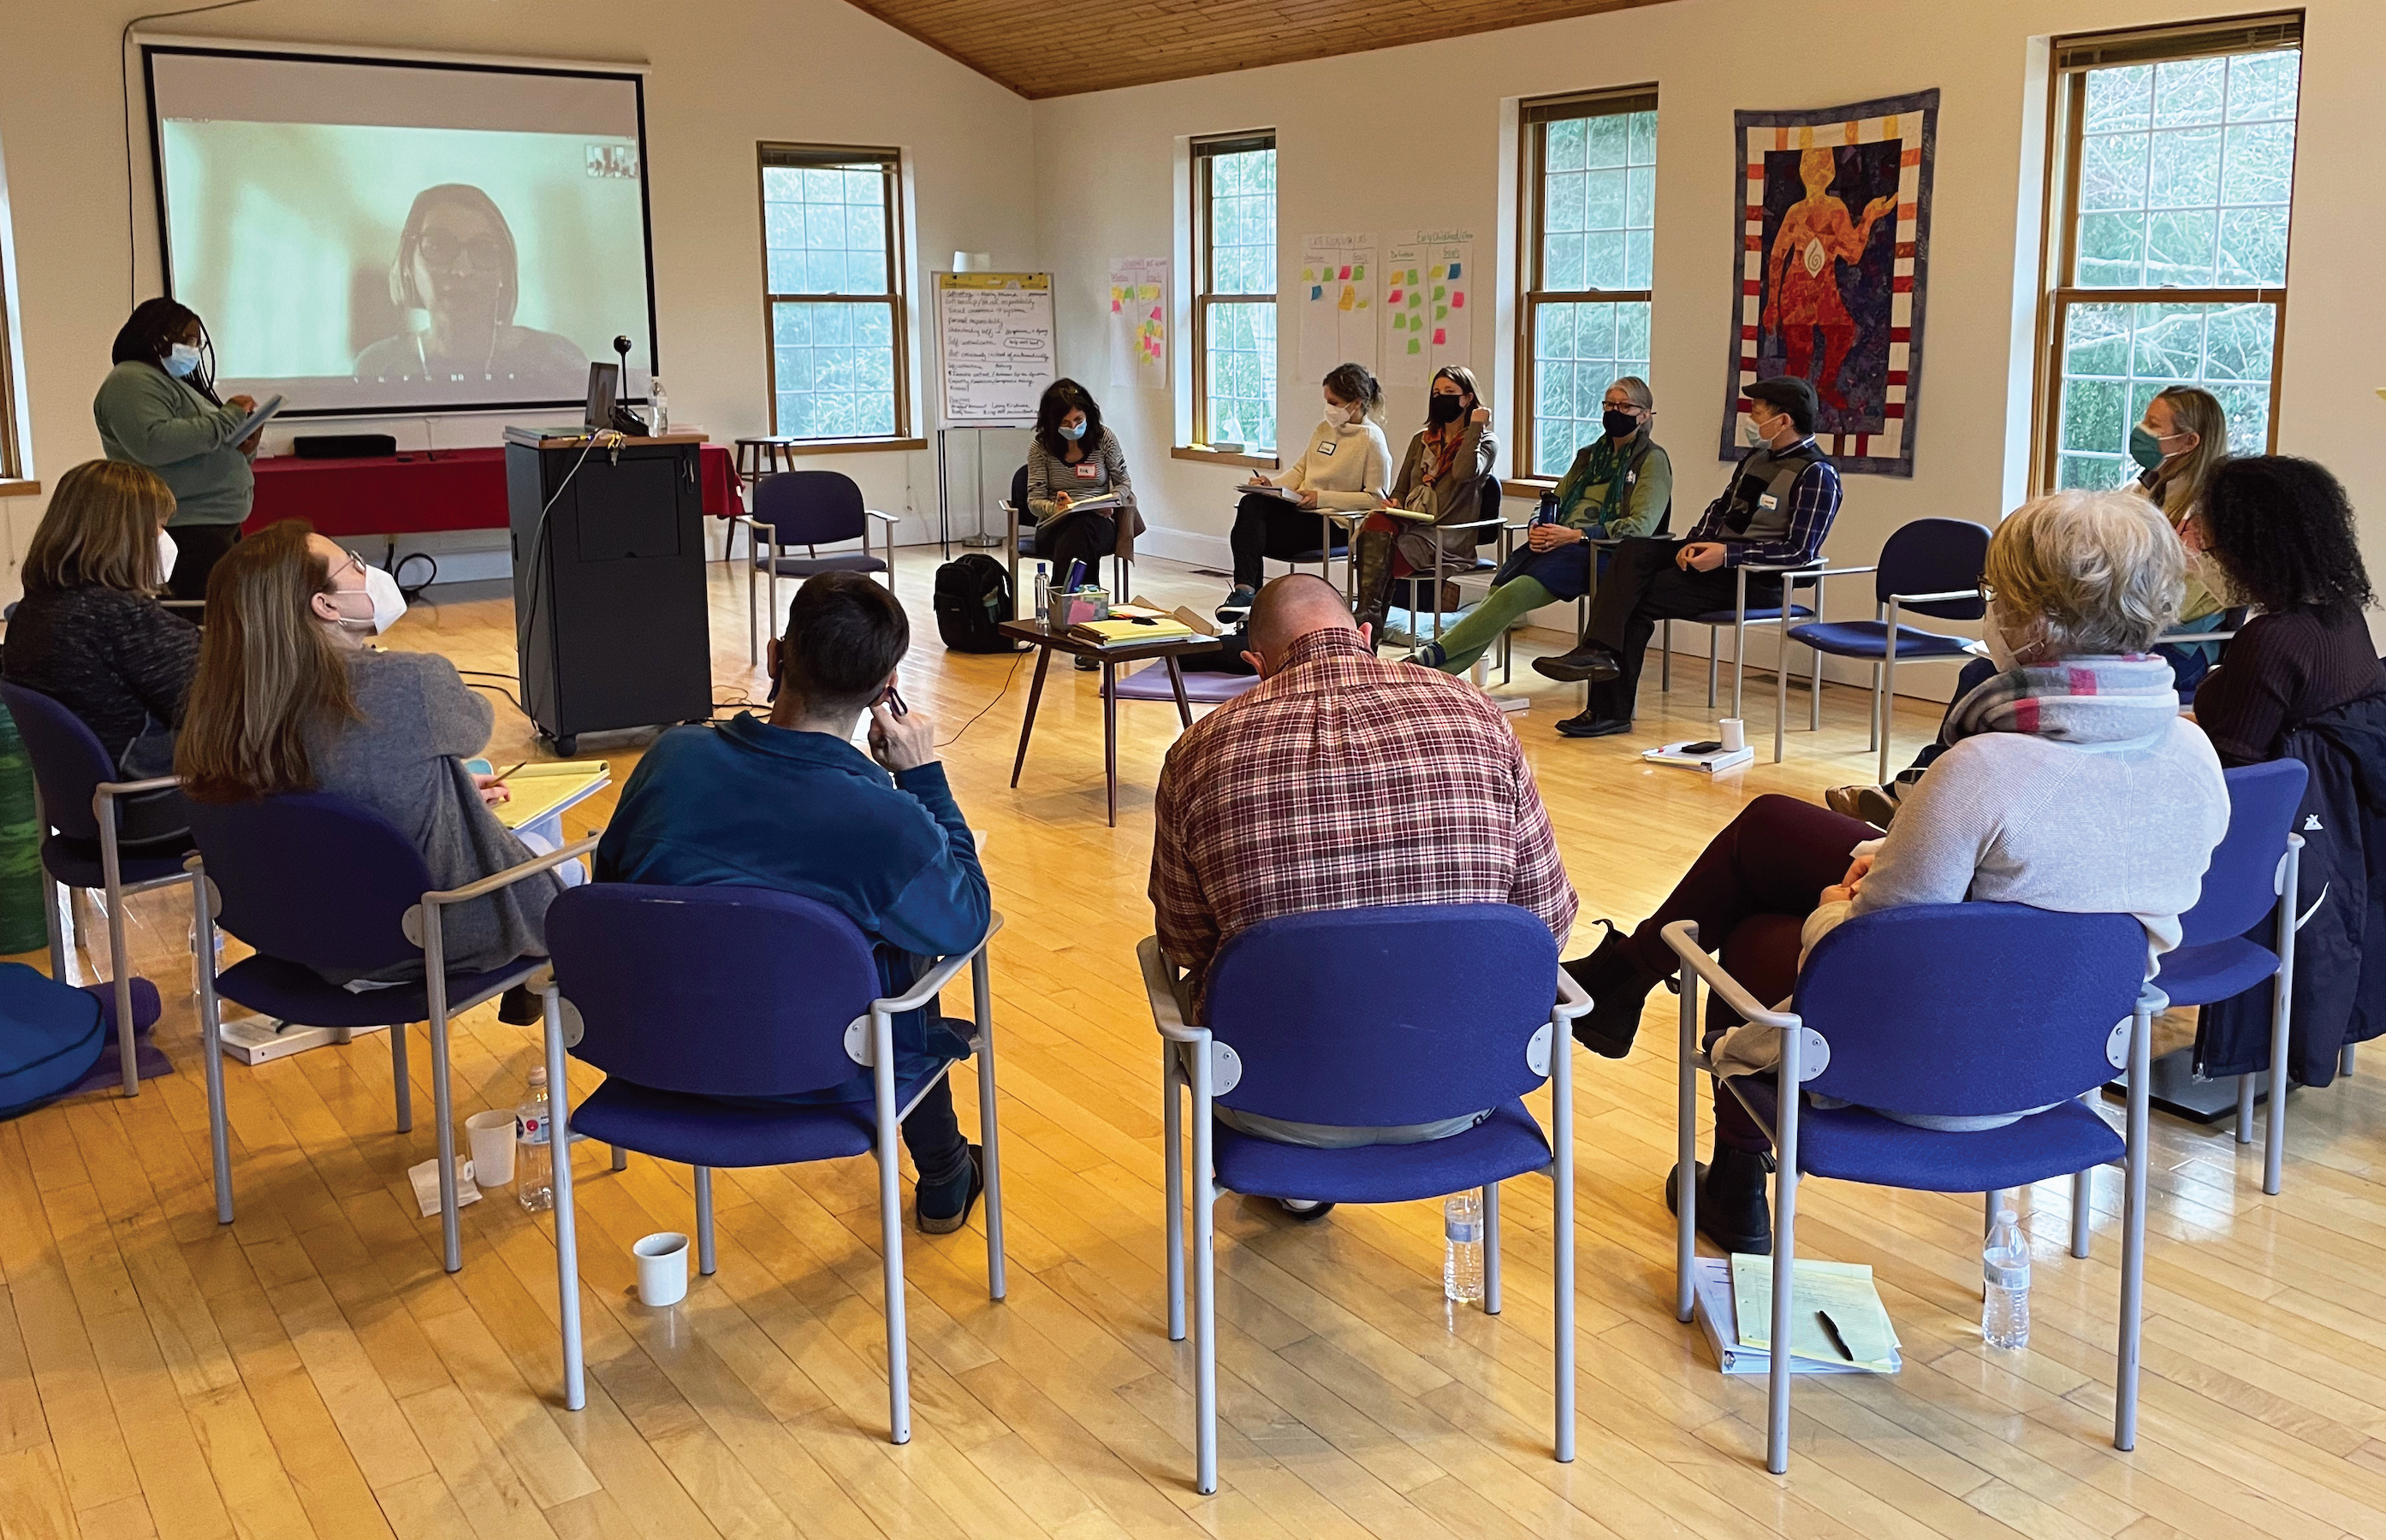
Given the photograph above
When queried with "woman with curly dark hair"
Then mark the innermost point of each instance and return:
(2280, 530)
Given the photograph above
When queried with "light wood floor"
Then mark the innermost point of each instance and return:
(310, 1369)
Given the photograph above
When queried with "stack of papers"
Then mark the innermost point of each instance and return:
(1127, 626)
(1710, 760)
(1839, 1325)
(542, 786)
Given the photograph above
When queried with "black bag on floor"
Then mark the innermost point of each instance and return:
(972, 598)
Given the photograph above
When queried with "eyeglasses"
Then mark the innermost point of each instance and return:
(441, 249)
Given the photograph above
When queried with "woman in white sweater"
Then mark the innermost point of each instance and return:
(1345, 469)
(2076, 786)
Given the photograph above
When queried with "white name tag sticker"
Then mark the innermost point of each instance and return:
(1324, 450)
(1768, 502)
(1087, 471)
(1631, 477)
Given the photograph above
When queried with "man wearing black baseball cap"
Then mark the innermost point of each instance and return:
(1776, 512)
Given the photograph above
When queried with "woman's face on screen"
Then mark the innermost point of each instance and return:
(459, 264)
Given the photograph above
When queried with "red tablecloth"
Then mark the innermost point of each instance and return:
(415, 493)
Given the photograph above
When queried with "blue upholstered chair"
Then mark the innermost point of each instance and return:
(79, 802)
(314, 881)
(1929, 567)
(2251, 880)
(809, 509)
(1946, 1009)
(789, 1003)
(1739, 617)
(1368, 1016)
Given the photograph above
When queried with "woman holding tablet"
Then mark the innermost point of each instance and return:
(1346, 468)
(158, 407)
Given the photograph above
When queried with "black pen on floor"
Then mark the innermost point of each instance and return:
(1831, 1329)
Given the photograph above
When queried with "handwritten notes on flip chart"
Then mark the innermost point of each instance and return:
(1138, 322)
(1336, 298)
(1429, 277)
(996, 348)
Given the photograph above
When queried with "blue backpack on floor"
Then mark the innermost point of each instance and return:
(50, 1036)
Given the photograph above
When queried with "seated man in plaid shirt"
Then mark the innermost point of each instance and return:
(1342, 781)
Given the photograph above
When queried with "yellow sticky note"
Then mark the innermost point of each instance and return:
(1350, 298)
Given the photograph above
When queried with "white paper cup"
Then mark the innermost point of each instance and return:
(1733, 732)
(492, 1138)
(662, 1268)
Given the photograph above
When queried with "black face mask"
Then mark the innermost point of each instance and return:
(1442, 409)
(1619, 424)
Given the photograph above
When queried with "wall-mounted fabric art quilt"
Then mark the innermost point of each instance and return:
(1834, 255)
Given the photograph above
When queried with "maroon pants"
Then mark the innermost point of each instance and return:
(1751, 892)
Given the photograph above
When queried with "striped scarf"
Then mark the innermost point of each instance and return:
(2110, 699)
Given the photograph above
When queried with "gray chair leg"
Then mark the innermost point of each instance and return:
(989, 1132)
(705, 1262)
(211, 1051)
(621, 1158)
(567, 1236)
(2245, 1109)
(1491, 1248)
(1664, 658)
(402, 1076)
(1172, 1175)
(2083, 1214)
(2133, 1240)
(1204, 1265)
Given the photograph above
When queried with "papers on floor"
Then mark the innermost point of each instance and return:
(1708, 759)
(1835, 1305)
(255, 1040)
(425, 1178)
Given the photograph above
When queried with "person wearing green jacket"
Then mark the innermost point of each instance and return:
(1620, 486)
(158, 407)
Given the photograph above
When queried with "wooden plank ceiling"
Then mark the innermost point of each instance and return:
(1039, 49)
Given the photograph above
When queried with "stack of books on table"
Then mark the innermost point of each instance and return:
(1129, 624)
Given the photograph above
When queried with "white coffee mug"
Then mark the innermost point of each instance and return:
(1733, 732)
(662, 1268)
(491, 1136)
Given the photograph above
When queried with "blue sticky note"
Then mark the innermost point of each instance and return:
(1317, 290)
(1453, 269)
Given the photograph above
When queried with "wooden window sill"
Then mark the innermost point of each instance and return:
(1528, 487)
(849, 445)
(1202, 452)
(19, 489)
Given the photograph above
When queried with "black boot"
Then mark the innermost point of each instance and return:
(1618, 985)
(1734, 1211)
(1373, 551)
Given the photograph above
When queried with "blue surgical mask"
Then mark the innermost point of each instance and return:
(183, 361)
(1072, 431)
(1757, 437)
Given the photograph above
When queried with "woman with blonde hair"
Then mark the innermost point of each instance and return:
(2182, 438)
(2072, 784)
(287, 699)
(90, 632)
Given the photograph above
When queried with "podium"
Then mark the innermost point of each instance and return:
(610, 629)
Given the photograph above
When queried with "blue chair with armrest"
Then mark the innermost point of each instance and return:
(810, 508)
(1944, 1009)
(792, 1006)
(1368, 1016)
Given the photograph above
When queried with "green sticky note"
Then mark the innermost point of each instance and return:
(1441, 312)
(1416, 344)
(1439, 292)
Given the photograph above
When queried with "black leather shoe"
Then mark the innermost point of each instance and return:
(1618, 985)
(1592, 725)
(519, 1008)
(1588, 661)
(1733, 1210)
(945, 1207)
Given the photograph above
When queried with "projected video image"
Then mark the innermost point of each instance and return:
(361, 267)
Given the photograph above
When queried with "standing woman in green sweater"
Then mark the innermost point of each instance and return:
(158, 407)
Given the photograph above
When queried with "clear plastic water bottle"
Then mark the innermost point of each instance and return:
(658, 406)
(2004, 1266)
(1043, 593)
(534, 1167)
(1462, 1252)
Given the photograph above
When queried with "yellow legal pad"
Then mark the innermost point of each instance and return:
(1844, 1289)
(541, 787)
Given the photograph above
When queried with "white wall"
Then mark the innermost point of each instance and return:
(1414, 137)
(724, 74)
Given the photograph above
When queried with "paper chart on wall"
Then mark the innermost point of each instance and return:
(1138, 322)
(1338, 302)
(1429, 277)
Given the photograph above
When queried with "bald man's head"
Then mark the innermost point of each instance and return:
(1291, 607)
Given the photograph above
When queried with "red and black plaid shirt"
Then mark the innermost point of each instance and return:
(1343, 782)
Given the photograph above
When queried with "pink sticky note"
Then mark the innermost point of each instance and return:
(1394, 297)
(1458, 299)
(1440, 337)
(1346, 270)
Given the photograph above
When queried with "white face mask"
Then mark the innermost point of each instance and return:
(167, 552)
(1757, 437)
(1344, 416)
(2000, 641)
(388, 603)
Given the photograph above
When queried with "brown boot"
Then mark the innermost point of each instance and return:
(1373, 551)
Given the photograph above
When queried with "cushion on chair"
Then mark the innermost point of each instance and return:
(1507, 1144)
(805, 567)
(700, 1131)
(1201, 688)
(1854, 1145)
(1725, 617)
(2207, 975)
(295, 992)
(1869, 638)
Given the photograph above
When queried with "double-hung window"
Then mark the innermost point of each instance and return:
(2173, 166)
(1233, 302)
(1589, 218)
(832, 249)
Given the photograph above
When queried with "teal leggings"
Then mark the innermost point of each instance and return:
(1500, 609)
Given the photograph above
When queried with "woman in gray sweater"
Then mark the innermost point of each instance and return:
(2072, 784)
(158, 407)
(287, 699)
